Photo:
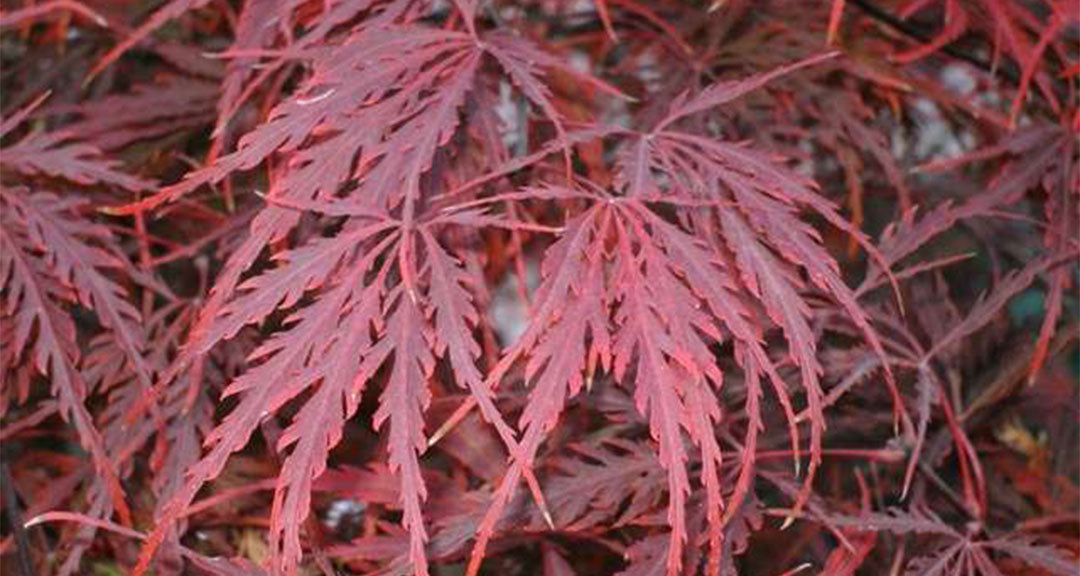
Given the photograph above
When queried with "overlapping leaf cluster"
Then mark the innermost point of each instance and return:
(399, 287)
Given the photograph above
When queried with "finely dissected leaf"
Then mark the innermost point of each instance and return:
(724, 92)
(927, 385)
(32, 287)
(958, 549)
(54, 154)
(290, 362)
(558, 350)
(990, 304)
(453, 313)
(585, 494)
(402, 404)
(305, 268)
(53, 257)
(659, 345)
(1045, 557)
(149, 111)
(1038, 156)
(81, 266)
(897, 521)
(318, 426)
(658, 325)
(384, 70)
(659, 322)
(768, 195)
(643, 340)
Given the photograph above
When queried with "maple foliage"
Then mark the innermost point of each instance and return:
(612, 287)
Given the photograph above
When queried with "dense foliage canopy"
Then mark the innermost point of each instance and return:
(540, 287)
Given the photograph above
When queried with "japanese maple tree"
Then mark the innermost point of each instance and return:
(482, 287)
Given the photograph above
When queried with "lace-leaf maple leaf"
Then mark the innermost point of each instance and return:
(419, 76)
(56, 155)
(55, 259)
(663, 325)
(956, 550)
(1025, 549)
(81, 266)
(671, 294)
(403, 402)
(762, 231)
(561, 345)
(453, 314)
(1042, 156)
(291, 361)
(360, 136)
(33, 297)
(594, 484)
(148, 111)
